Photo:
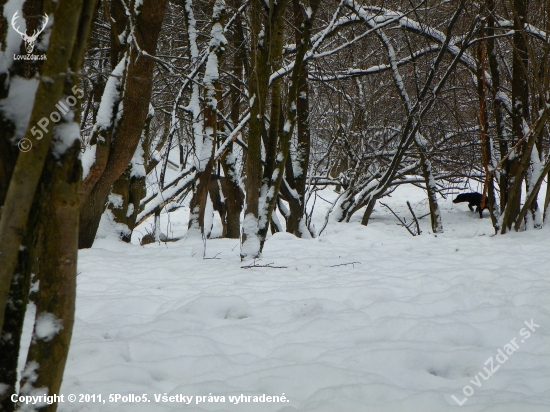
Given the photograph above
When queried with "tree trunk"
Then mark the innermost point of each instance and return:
(258, 83)
(283, 148)
(55, 302)
(520, 113)
(137, 94)
(295, 222)
(207, 147)
(49, 245)
(231, 186)
(498, 106)
(28, 168)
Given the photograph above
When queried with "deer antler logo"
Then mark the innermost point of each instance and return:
(29, 40)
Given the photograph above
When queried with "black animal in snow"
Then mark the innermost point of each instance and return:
(473, 199)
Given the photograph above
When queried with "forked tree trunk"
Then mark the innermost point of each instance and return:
(51, 231)
(125, 138)
(295, 221)
(28, 168)
(269, 199)
(129, 190)
(197, 206)
(258, 82)
(130, 187)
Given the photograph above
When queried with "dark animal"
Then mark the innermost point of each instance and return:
(473, 199)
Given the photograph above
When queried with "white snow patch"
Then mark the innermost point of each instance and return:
(137, 162)
(17, 107)
(88, 159)
(110, 96)
(47, 326)
(250, 227)
(64, 136)
(116, 200)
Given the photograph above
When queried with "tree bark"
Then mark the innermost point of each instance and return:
(125, 138)
(295, 222)
(51, 229)
(197, 205)
(28, 168)
(55, 302)
(520, 113)
(258, 84)
(498, 106)
(283, 146)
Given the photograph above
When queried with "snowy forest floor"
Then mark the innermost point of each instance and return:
(359, 319)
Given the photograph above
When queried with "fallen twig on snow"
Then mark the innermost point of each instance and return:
(267, 265)
(345, 264)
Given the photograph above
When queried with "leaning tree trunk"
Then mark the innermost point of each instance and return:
(28, 168)
(10, 131)
(129, 189)
(47, 181)
(419, 110)
(55, 301)
(125, 137)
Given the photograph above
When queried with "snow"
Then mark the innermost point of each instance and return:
(137, 6)
(191, 29)
(64, 136)
(137, 162)
(110, 96)
(17, 107)
(47, 326)
(88, 159)
(116, 200)
(250, 227)
(109, 227)
(359, 319)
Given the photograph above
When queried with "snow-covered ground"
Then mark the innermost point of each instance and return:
(359, 319)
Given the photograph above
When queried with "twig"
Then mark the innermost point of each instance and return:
(398, 218)
(215, 256)
(418, 231)
(268, 265)
(345, 264)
